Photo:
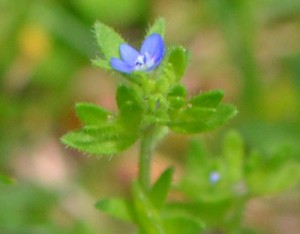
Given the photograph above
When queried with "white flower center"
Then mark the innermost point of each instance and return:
(143, 62)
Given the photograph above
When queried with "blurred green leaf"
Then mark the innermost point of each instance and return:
(117, 208)
(273, 174)
(178, 91)
(208, 215)
(25, 208)
(104, 136)
(109, 42)
(179, 224)
(178, 58)
(195, 157)
(195, 120)
(100, 141)
(157, 27)
(115, 12)
(129, 106)
(176, 97)
(91, 114)
(147, 216)
(233, 152)
(210, 99)
(160, 189)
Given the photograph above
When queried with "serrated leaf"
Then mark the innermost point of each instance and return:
(117, 208)
(178, 58)
(100, 141)
(195, 120)
(157, 27)
(224, 112)
(109, 42)
(210, 99)
(160, 189)
(191, 120)
(91, 114)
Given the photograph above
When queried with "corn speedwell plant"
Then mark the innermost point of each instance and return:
(150, 103)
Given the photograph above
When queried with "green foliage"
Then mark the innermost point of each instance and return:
(149, 212)
(15, 204)
(149, 104)
(151, 99)
(157, 27)
(160, 189)
(201, 113)
(130, 108)
(108, 41)
(122, 13)
(271, 174)
(117, 208)
(178, 58)
(220, 200)
(92, 115)
(99, 141)
(45, 51)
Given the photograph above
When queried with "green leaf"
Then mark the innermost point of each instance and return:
(191, 120)
(210, 99)
(223, 113)
(195, 120)
(101, 63)
(178, 91)
(177, 97)
(117, 208)
(109, 42)
(157, 27)
(273, 174)
(106, 140)
(196, 157)
(233, 151)
(179, 224)
(146, 215)
(178, 58)
(91, 114)
(130, 108)
(160, 189)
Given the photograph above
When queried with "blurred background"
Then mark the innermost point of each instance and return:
(250, 49)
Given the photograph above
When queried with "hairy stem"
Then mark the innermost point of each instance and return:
(149, 140)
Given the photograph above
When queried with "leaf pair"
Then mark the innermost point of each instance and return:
(148, 210)
(104, 133)
(200, 113)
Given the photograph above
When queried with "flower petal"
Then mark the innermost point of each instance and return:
(154, 47)
(128, 54)
(120, 65)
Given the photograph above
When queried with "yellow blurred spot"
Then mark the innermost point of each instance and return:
(280, 101)
(34, 42)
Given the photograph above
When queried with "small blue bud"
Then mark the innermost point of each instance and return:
(214, 177)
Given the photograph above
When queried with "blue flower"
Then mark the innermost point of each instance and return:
(149, 57)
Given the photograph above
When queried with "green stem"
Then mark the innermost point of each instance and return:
(149, 140)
